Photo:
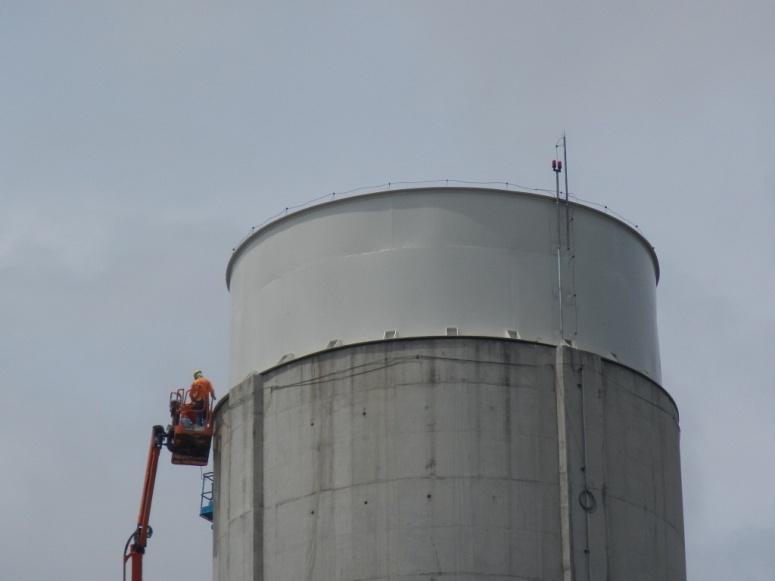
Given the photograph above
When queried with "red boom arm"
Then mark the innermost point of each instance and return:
(135, 546)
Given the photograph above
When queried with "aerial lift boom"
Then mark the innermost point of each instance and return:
(188, 438)
(135, 545)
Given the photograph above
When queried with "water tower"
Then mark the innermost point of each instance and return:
(446, 384)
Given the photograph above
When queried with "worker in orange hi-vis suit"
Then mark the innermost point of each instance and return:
(200, 392)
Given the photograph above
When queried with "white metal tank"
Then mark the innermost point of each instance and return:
(446, 384)
(440, 261)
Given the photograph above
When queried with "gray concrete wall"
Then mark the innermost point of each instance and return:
(620, 473)
(238, 486)
(448, 458)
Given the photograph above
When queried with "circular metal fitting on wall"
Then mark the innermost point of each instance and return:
(587, 500)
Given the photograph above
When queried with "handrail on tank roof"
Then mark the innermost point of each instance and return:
(420, 185)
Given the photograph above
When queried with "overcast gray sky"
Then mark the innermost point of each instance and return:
(139, 141)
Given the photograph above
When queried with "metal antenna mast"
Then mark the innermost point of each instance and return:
(565, 163)
(557, 168)
(567, 192)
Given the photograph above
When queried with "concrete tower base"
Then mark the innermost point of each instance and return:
(448, 459)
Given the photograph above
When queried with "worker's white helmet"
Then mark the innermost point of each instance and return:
(197, 374)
